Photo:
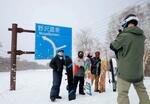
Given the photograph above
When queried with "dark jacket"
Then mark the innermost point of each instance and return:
(96, 66)
(130, 47)
(57, 63)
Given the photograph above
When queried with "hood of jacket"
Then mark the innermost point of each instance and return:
(134, 30)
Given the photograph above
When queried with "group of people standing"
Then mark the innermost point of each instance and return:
(83, 66)
(97, 69)
(129, 49)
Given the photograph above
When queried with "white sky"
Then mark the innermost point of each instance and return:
(91, 14)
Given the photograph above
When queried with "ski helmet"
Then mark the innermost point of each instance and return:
(80, 54)
(131, 18)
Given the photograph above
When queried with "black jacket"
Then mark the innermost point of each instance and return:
(96, 66)
(57, 63)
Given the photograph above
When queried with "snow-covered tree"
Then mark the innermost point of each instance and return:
(86, 42)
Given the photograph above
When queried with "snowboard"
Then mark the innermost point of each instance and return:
(69, 73)
(88, 86)
(113, 69)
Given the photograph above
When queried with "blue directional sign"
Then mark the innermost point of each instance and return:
(50, 39)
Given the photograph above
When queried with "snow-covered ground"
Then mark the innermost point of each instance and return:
(33, 87)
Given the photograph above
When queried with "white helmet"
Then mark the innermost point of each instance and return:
(129, 18)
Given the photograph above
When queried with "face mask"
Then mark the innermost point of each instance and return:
(60, 57)
(80, 56)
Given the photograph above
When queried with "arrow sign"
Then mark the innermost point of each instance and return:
(50, 39)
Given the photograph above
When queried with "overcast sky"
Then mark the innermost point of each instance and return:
(91, 14)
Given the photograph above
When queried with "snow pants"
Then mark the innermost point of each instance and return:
(81, 83)
(57, 77)
(102, 81)
(123, 89)
(96, 83)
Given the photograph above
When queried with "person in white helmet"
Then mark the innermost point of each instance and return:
(129, 46)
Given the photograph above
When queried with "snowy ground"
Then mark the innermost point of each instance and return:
(33, 87)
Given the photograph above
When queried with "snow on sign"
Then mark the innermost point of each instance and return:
(50, 39)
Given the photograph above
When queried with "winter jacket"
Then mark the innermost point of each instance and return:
(87, 63)
(130, 47)
(96, 66)
(81, 65)
(57, 64)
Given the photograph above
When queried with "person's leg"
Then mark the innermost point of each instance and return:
(55, 84)
(59, 83)
(96, 77)
(76, 79)
(92, 78)
(142, 94)
(55, 87)
(123, 89)
(102, 84)
(81, 86)
(104, 81)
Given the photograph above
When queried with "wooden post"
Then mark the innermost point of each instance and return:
(14, 52)
(13, 57)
